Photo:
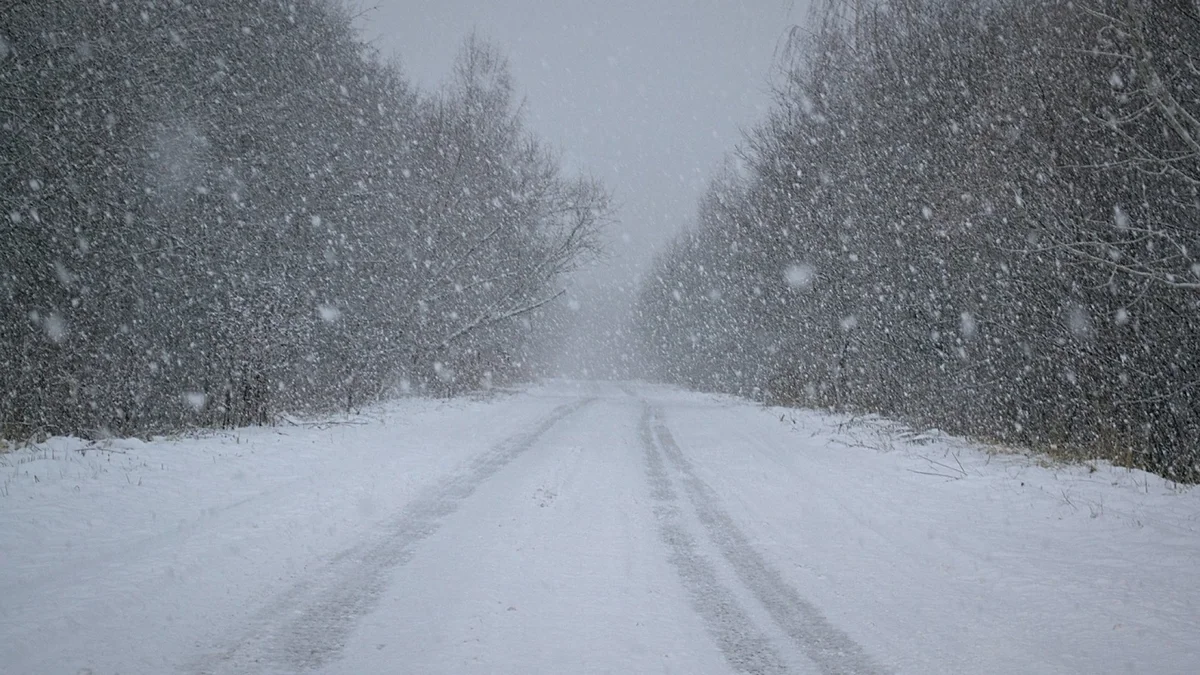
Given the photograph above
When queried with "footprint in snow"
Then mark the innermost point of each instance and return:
(544, 497)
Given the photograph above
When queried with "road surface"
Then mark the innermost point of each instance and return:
(620, 528)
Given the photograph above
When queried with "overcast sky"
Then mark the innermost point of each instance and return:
(646, 94)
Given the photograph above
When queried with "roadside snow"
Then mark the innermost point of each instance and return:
(942, 557)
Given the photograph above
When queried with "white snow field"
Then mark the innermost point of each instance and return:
(576, 527)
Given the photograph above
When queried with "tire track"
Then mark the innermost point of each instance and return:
(745, 647)
(834, 652)
(307, 626)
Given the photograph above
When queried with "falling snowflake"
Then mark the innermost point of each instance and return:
(1120, 218)
(65, 277)
(329, 313)
(444, 373)
(967, 325)
(196, 400)
(1079, 321)
(55, 326)
(800, 276)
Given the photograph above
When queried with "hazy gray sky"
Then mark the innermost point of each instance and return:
(646, 94)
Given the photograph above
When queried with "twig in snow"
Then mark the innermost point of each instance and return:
(959, 463)
(1068, 500)
(960, 468)
(100, 449)
(939, 475)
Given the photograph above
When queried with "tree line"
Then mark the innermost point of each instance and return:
(978, 215)
(211, 212)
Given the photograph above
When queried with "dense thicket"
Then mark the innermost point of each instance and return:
(973, 214)
(215, 210)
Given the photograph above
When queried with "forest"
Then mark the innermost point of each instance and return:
(974, 215)
(214, 212)
(979, 216)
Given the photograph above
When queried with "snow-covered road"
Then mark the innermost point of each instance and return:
(589, 528)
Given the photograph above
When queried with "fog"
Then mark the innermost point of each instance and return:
(773, 336)
(648, 97)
